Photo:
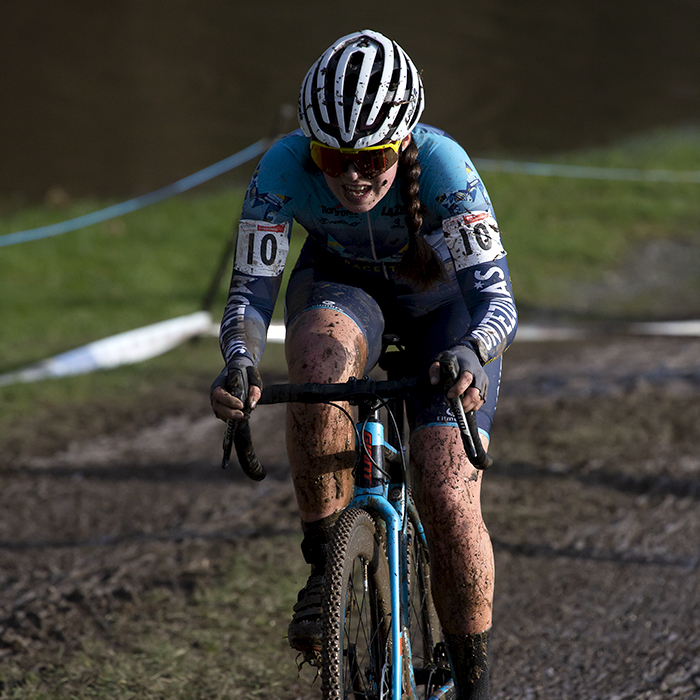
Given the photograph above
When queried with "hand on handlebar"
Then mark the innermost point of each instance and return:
(461, 372)
(466, 384)
(238, 381)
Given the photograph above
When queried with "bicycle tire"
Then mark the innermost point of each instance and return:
(356, 612)
(430, 668)
(424, 626)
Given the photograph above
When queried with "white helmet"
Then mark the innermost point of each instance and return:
(363, 91)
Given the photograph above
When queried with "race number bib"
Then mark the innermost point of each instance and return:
(261, 248)
(473, 239)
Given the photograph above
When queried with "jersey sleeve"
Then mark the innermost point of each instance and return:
(262, 246)
(474, 242)
(480, 263)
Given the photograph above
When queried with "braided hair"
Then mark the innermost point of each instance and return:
(420, 265)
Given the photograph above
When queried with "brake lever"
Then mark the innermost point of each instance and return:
(469, 431)
(238, 433)
(468, 428)
(228, 443)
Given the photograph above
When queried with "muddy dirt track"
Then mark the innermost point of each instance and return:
(592, 505)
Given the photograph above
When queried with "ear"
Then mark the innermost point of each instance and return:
(405, 142)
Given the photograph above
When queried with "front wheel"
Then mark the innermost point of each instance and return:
(356, 612)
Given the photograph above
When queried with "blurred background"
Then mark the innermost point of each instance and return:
(105, 101)
(118, 98)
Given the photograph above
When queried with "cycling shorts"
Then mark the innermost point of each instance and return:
(426, 322)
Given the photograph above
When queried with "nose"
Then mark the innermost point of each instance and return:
(350, 172)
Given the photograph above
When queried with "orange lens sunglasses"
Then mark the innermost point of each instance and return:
(370, 162)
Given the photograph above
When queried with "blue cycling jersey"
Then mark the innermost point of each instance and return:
(458, 221)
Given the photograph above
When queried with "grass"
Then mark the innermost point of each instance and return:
(124, 273)
(158, 263)
(206, 646)
(562, 231)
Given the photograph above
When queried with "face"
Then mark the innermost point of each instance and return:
(358, 193)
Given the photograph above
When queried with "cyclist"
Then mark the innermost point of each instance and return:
(402, 238)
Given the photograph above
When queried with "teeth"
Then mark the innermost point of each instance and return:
(357, 189)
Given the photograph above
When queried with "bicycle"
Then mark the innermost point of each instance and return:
(380, 628)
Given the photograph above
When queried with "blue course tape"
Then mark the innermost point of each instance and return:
(587, 172)
(256, 149)
(130, 205)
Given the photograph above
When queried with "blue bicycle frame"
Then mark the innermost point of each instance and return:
(380, 489)
(385, 497)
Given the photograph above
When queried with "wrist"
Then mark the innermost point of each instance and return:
(477, 347)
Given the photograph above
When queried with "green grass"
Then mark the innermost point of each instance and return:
(562, 231)
(225, 641)
(158, 263)
(148, 266)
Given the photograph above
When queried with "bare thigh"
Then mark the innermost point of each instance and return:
(323, 345)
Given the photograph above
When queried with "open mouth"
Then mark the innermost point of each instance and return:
(356, 192)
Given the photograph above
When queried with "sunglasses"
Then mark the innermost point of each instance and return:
(370, 162)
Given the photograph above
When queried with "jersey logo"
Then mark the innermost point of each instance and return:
(334, 245)
(473, 238)
(261, 248)
(454, 201)
(273, 203)
(493, 281)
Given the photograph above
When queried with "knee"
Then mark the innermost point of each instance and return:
(324, 346)
(447, 486)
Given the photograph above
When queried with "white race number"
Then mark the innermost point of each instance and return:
(261, 248)
(473, 238)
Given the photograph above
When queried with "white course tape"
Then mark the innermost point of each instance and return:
(150, 341)
(122, 349)
(691, 328)
(536, 333)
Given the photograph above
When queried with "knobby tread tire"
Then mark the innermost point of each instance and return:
(355, 548)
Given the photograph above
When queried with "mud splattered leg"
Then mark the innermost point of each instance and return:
(447, 490)
(322, 346)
